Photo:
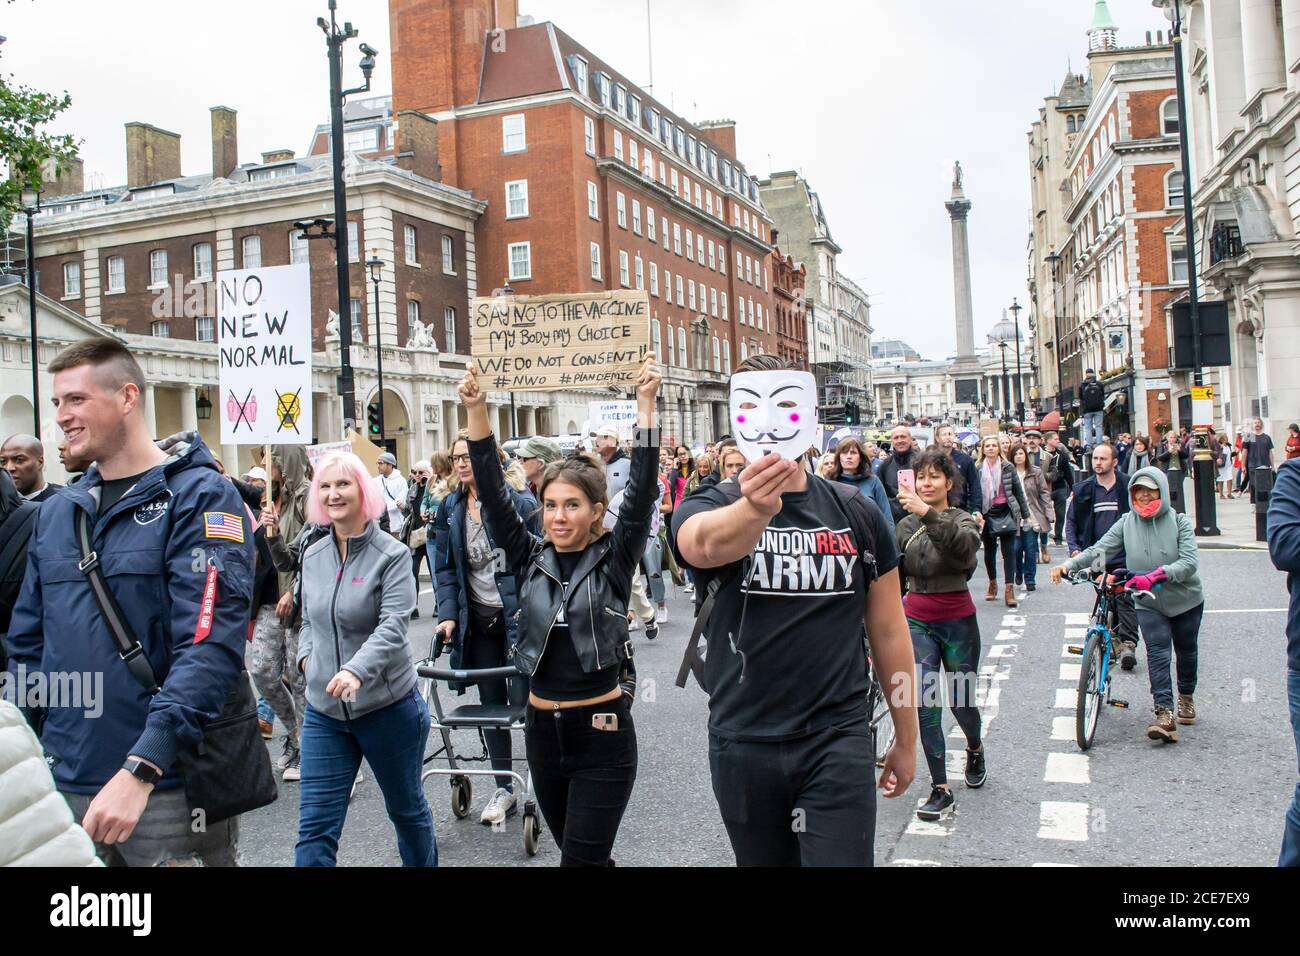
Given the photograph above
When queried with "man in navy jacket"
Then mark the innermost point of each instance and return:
(1284, 548)
(171, 535)
(966, 495)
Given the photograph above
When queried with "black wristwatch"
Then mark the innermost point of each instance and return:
(141, 770)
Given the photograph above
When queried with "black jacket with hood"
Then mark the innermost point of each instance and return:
(17, 516)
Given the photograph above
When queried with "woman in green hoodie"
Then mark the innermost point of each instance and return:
(1160, 549)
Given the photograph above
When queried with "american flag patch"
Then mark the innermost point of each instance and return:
(222, 524)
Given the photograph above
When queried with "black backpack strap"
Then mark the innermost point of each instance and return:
(16, 530)
(692, 662)
(866, 550)
(128, 648)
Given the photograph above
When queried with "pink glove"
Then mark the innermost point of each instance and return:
(1145, 582)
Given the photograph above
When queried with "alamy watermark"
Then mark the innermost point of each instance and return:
(77, 690)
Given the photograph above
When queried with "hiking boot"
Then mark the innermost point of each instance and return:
(975, 772)
(1127, 655)
(939, 805)
(993, 591)
(1186, 709)
(1043, 556)
(1163, 728)
(1011, 596)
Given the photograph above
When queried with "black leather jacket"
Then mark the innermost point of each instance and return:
(596, 607)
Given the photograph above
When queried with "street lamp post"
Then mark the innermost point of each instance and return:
(1002, 347)
(1202, 463)
(1020, 380)
(334, 40)
(31, 202)
(1054, 263)
(376, 266)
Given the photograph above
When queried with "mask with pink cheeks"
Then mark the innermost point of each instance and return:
(774, 413)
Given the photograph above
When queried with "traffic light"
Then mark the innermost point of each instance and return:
(372, 417)
(850, 413)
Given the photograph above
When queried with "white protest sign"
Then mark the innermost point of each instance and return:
(316, 452)
(620, 413)
(774, 412)
(264, 355)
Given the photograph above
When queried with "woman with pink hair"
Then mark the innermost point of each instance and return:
(357, 597)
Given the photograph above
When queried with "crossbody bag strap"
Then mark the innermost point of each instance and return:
(128, 648)
(692, 662)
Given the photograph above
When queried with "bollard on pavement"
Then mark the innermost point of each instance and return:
(1261, 486)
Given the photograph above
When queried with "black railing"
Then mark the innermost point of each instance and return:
(1225, 242)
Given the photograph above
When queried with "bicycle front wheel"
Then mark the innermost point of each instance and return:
(882, 727)
(1087, 706)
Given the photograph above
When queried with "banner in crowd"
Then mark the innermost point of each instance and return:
(619, 413)
(264, 355)
(551, 342)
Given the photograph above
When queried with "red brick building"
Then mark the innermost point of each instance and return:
(592, 184)
(791, 317)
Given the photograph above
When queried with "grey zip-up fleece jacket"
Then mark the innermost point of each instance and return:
(354, 618)
(1165, 540)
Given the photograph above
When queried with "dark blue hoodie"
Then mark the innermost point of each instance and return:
(1284, 547)
(178, 533)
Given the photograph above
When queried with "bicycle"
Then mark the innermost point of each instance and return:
(879, 717)
(1100, 648)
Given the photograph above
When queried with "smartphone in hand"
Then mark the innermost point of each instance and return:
(907, 479)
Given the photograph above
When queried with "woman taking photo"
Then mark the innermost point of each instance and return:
(939, 545)
(357, 597)
(414, 533)
(1005, 513)
(1292, 441)
(1140, 455)
(477, 603)
(575, 583)
(434, 492)
(1160, 548)
(1042, 515)
(852, 468)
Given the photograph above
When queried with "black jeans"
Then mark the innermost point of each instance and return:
(810, 801)
(1165, 637)
(582, 776)
(1126, 625)
(1007, 543)
(485, 646)
(1060, 497)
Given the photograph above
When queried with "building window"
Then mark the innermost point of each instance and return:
(512, 133)
(640, 273)
(681, 345)
(517, 199)
(354, 307)
(633, 153)
(677, 238)
(648, 165)
(698, 204)
(724, 306)
(672, 178)
(1177, 263)
(618, 145)
(690, 292)
(621, 207)
(744, 350)
(298, 248)
(157, 268)
(758, 313)
(72, 279)
(713, 302)
(636, 216)
(1174, 190)
(654, 279)
(655, 342)
(589, 135)
(712, 257)
(690, 247)
(1169, 117)
(686, 187)
(409, 237)
(668, 287)
(717, 355)
(623, 268)
(663, 228)
(1069, 123)
(680, 297)
(160, 329)
(672, 346)
(650, 224)
(620, 99)
(354, 251)
(595, 261)
(448, 256)
(252, 252)
(449, 329)
(361, 140)
(412, 318)
(593, 201)
(634, 109)
(521, 260)
(699, 248)
(726, 357)
(580, 74)
(202, 261)
(203, 329)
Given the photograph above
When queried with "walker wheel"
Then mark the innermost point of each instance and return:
(461, 792)
(532, 833)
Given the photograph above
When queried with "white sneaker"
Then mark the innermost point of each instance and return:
(634, 624)
(688, 588)
(661, 615)
(499, 807)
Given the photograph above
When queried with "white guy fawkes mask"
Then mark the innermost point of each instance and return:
(774, 412)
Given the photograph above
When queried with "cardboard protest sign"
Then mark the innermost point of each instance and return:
(264, 355)
(619, 413)
(550, 342)
(774, 412)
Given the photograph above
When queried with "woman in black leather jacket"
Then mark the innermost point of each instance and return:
(572, 637)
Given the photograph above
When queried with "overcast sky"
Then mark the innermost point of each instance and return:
(871, 100)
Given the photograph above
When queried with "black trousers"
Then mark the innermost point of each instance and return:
(485, 646)
(1060, 497)
(1126, 625)
(804, 802)
(1007, 543)
(582, 776)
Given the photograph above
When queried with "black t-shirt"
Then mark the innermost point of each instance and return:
(111, 490)
(559, 674)
(1258, 450)
(795, 665)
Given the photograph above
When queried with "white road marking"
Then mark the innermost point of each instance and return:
(1006, 635)
(1070, 672)
(1055, 864)
(929, 827)
(1061, 820)
(956, 763)
(1062, 728)
(1013, 620)
(1002, 650)
(1076, 634)
(1067, 768)
(1077, 619)
(921, 863)
(1249, 610)
(1066, 698)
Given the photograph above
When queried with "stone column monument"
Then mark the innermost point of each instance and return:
(966, 371)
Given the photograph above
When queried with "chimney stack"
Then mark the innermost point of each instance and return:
(225, 142)
(152, 155)
(417, 144)
(277, 155)
(71, 181)
(721, 133)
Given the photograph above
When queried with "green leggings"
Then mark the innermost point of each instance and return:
(954, 646)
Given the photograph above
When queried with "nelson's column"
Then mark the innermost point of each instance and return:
(965, 370)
